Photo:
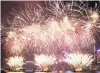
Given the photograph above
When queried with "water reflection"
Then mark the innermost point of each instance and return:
(68, 71)
(83, 72)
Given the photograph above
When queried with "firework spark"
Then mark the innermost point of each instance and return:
(15, 62)
(79, 60)
(52, 29)
(44, 61)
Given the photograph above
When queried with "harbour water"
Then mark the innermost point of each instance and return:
(68, 71)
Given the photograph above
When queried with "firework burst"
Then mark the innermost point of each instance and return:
(44, 61)
(15, 62)
(79, 60)
(52, 29)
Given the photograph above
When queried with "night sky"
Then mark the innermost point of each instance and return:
(6, 8)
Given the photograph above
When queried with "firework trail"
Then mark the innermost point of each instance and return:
(52, 29)
(15, 62)
(79, 60)
(44, 61)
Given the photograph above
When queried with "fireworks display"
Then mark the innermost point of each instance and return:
(53, 30)
(79, 60)
(15, 62)
(44, 61)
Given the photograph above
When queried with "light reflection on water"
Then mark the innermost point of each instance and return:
(68, 71)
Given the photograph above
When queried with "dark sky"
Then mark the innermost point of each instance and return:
(6, 7)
